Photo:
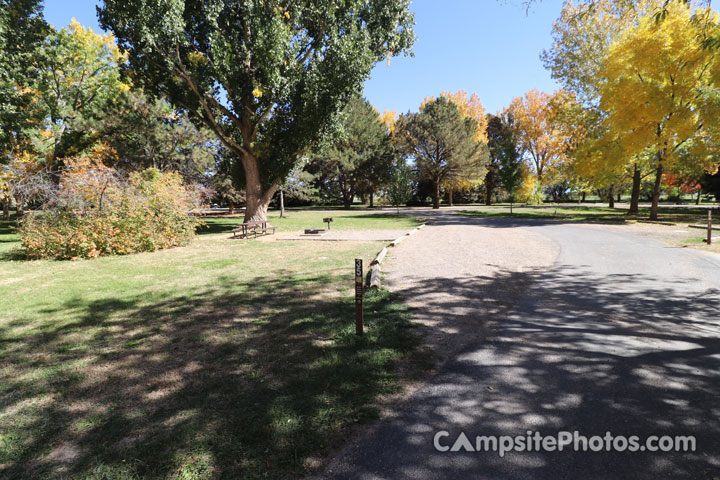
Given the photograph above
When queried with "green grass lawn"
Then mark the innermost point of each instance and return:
(223, 359)
(297, 220)
(675, 233)
(588, 214)
(9, 240)
(560, 213)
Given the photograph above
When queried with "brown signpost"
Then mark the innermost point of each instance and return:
(358, 296)
(709, 238)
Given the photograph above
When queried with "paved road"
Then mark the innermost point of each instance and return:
(621, 334)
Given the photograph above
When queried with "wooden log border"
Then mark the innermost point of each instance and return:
(704, 227)
(374, 274)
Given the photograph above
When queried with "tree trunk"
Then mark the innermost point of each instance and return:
(257, 201)
(611, 196)
(697, 200)
(436, 194)
(231, 207)
(584, 196)
(619, 196)
(450, 197)
(6, 208)
(19, 212)
(258, 212)
(55, 164)
(635, 196)
(488, 187)
(656, 190)
(372, 196)
(347, 196)
(282, 204)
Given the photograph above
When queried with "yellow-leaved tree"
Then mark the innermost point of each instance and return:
(470, 106)
(660, 89)
(538, 132)
(582, 36)
(388, 118)
(81, 76)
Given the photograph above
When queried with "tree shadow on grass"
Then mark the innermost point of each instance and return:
(626, 354)
(562, 217)
(12, 255)
(249, 381)
(8, 229)
(384, 216)
(214, 226)
(588, 214)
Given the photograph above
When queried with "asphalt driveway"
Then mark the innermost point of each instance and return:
(620, 334)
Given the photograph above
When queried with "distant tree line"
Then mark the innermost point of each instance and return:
(246, 111)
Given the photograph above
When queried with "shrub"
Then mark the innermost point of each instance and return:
(99, 214)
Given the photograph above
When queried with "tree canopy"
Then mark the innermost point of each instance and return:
(505, 159)
(79, 75)
(22, 31)
(442, 143)
(539, 135)
(359, 160)
(660, 89)
(144, 132)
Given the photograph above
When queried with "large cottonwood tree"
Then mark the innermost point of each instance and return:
(582, 35)
(265, 75)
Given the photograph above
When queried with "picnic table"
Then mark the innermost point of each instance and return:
(246, 229)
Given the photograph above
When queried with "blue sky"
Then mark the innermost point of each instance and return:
(488, 47)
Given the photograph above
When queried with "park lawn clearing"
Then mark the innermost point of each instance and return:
(676, 235)
(223, 359)
(587, 214)
(298, 220)
(671, 228)
(520, 211)
(9, 239)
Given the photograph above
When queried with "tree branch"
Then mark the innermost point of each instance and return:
(180, 70)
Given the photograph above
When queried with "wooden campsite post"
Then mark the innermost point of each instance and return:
(358, 296)
(709, 236)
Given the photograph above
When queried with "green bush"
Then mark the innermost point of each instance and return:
(150, 211)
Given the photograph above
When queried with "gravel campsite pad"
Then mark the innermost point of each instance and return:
(434, 267)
